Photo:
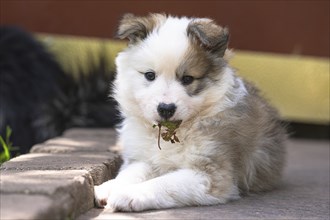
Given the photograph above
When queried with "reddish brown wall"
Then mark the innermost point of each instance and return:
(274, 26)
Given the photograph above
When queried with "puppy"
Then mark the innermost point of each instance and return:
(229, 142)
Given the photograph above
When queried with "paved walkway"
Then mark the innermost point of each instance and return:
(56, 181)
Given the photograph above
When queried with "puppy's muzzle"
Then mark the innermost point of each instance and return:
(166, 111)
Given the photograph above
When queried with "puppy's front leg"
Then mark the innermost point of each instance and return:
(180, 188)
(128, 174)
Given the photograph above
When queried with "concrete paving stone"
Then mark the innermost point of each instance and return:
(108, 133)
(68, 145)
(45, 182)
(56, 180)
(18, 206)
(101, 166)
(79, 140)
(47, 161)
(71, 191)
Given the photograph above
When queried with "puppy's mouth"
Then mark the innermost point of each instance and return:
(167, 130)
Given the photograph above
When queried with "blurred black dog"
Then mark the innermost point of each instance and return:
(38, 100)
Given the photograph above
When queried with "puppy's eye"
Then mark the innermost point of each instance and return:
(150, 76)
(186, 80)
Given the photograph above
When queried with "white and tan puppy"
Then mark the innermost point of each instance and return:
(231, 140)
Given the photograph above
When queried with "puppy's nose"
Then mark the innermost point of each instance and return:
(166, 110)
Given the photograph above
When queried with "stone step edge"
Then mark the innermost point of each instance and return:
(70, 199)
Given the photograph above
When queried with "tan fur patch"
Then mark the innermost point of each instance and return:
(137, 28)
(203, 66)
(211, 36)
(252, 138)
(204, 58)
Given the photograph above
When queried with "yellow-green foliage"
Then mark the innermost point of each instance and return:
(7, 146)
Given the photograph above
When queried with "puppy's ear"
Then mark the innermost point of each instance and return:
(137, 28)
(209, 35)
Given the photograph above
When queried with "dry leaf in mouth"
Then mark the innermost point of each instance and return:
(170, 131)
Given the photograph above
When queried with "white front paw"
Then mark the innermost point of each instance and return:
(102, 192)
(128, 200)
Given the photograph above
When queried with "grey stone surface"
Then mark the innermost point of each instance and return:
(46, 182)
(56, 180)
(18, 206)
(79, 140)
(96, 163)
(303, 193)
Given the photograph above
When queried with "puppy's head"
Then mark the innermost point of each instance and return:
(173, 68)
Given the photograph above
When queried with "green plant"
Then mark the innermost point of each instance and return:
(170, 131)
(7, 146)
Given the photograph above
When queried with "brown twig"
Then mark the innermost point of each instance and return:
(159, 130)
